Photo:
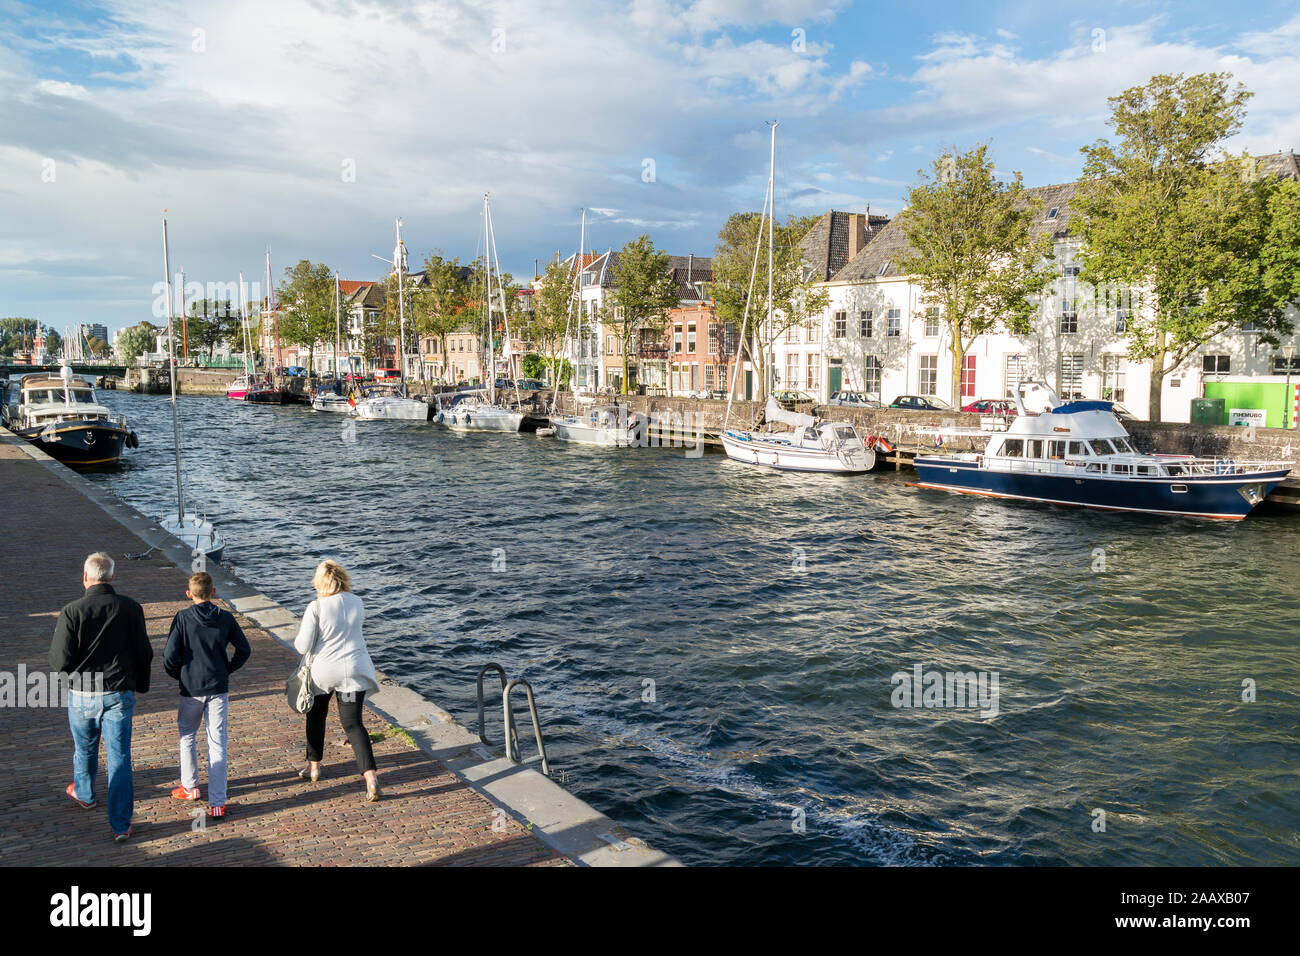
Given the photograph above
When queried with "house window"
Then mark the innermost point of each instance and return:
(708, 377)
(814, 371)
(792, 335)
(1121, 321)
(1281, 364)
(894, 323)
(968, 376)
(677, 338)
(1216, 364)
(713, 338)
(1112, 378)
(690, 338)
(841, 324)
(865, 324)
(1069, 316)
(932, 321)
(792, 371)
(1070, 272)
(929, 378)
(1069, 379)
(871, 374)
(1051, 213)
(1014, 368)
(884, 266)
(814, 334)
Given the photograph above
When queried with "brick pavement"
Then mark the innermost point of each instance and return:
(428, 816)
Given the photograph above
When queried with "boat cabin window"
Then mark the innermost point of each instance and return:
(1034, 448)
(1013, 447)
(82, 395)
(1102, 447)
(1079, 448)
(1121, 469)
(1147, 470)
(846, 434)
(1123, 446)
(1056, 449)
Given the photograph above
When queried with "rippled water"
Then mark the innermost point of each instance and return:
(770, 611)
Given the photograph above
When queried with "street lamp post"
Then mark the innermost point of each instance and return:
(1288, 352)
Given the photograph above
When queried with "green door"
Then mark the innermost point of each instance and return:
(749, 385)
(835, 379)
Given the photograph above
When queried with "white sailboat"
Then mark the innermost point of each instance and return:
(190, 527)
(333, 399)
(809, 445)
(610, 425)
(390, 402)
(482, 411)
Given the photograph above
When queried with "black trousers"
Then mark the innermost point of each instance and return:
(350, 718)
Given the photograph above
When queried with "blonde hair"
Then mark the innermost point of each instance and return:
(330, 578)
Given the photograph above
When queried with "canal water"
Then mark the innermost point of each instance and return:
(714, 647)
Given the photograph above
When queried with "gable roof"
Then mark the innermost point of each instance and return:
(880, 257)
(825, 247)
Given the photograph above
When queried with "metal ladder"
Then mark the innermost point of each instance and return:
(511, 741)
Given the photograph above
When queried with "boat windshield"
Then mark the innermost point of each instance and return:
(1123, 446)
(845, 433)
(1101, 446)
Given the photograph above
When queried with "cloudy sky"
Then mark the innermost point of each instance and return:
(307, 125)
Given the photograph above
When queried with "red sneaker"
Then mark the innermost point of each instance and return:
(180, 793)
(123, 837)
(72, 792)
(217, 812)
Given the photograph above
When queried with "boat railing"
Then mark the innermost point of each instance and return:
(1138, 466)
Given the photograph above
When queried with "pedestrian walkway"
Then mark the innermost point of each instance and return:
(429, 815)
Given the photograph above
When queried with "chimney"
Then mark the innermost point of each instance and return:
(857, 233)
(690, 262)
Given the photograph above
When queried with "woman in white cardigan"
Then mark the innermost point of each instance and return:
(341, 664)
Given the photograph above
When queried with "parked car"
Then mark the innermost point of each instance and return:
(789, 398)
(530, 384)
(855, 399)
(387, 373)
(924, 403)
(991, 406)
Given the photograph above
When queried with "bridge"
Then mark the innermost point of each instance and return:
(78, 368)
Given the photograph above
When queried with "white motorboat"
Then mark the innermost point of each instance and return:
(1077, 453)
(389, 403)
(616, 426)
(474, 414)
(331, 402)
(197, 533)
(834, 447)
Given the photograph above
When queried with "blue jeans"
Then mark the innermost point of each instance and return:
(92, 716)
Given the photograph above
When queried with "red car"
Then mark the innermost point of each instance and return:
(991, 406)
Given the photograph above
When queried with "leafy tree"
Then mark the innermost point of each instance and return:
(1192, 230)
(972, 250)
(53, 341)
(444, 302)
(643, 293)
(307, 297)
(552, 305)
(95, 346)
(16, 334)
(211, 322)
(136, 340)
(796, 299)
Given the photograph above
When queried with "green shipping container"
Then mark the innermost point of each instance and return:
(1269, 396)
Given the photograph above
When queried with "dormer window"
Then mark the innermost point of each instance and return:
(883, 267)
(1051, 213)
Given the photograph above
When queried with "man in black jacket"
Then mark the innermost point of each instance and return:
(103, 634)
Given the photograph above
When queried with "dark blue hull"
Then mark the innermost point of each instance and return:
(1230, 497)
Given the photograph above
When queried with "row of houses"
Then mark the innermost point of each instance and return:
(876, 336)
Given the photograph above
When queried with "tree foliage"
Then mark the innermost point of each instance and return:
(306, 297)
(644, 291)
(444, 302)
(552, 305)
(796, 299)
(136, 340)
(1191, 229)
(972, 250)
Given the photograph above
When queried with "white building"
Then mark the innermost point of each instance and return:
(877, 337)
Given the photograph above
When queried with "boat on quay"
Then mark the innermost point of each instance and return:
(830, 447)
(331, 399)
(61, 415)
(1078, 454)
(475, 412)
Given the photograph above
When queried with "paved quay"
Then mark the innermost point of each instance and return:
(447, 801)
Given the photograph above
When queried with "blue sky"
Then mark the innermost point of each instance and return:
(244, 119)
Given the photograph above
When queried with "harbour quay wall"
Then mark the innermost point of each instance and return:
(205, 381)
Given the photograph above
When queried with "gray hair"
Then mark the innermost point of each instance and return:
(99, 567)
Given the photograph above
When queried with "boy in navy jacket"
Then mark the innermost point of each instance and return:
(196, 656)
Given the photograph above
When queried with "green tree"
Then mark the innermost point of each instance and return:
(797, 301)
(973, 252)
(307, 297)
(1189, 228)
(552, 307)
(95, 346)
(643, 293)
(136, 340)
(53, 341)
(209, 323)
(444, 302)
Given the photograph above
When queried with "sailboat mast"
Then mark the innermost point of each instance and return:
(243, 330)
(505, 314)
(171, 376)
(771, 214)
(338, 324)
(399, 263)
(582, 245)
(488, 352)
